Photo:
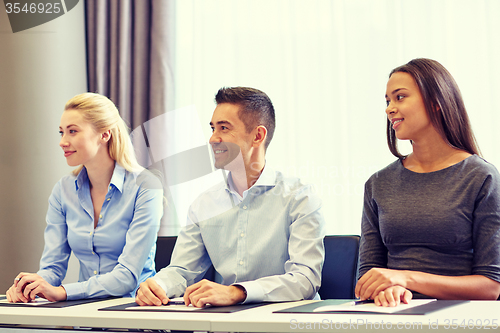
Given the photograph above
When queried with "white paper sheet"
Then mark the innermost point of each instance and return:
(371, 307)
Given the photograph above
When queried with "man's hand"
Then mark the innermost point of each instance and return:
(208, 292)
(150, 293)
(27, 286)
(377, 280)
(392, 296)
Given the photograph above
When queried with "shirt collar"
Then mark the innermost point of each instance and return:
(82, 178)
(117, 179)
(266, 179)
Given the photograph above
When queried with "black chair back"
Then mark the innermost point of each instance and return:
(338, 277)
(164, 248)
(340, 269)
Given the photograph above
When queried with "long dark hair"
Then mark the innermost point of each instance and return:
(443, 103)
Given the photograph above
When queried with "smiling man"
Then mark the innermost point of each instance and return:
(262, 232)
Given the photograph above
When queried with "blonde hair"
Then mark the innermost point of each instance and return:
(103, 115)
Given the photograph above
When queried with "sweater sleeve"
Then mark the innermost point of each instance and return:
(372, 251)
(486, 229)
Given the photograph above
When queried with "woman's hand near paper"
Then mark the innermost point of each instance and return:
(379, 279)
(27, 286)
(393, 296)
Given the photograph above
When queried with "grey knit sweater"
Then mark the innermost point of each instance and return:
(445, 222)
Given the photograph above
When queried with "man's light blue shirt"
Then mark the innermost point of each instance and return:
(270, 240)
(119, 253)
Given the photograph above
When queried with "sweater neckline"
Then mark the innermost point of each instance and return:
(400, 161)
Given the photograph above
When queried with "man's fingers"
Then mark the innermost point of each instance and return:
(138, 298)
(150, 298)
(142, 299)
(200, 299)
(150, 293)
(139, 302)
(199, 294)
(191, 291)
(159, 293)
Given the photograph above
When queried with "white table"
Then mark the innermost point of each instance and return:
(87, 315)
(484, 316)
(262, 319)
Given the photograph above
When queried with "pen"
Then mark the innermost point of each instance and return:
(359, 302)
(175, 303)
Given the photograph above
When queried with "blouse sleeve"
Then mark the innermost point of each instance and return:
(56, 253)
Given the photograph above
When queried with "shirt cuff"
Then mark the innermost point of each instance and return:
(254, 291)
(160, 283)
(74, 291)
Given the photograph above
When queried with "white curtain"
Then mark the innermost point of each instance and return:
(325, 65)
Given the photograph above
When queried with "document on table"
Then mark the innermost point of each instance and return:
(177, 305)
(371, 307)
(36, 302)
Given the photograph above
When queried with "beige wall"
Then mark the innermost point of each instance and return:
(40, 69)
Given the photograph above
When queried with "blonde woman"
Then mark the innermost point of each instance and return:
(104, 212)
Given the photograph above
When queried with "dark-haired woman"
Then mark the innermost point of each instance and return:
(431, 219)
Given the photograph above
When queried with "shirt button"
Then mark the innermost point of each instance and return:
(93, 252)
(110, 187)
(95, 272)
(108, 199)
(244, 207)
(242, 234)
(91, 233)
(100, 216)
(241, 262)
